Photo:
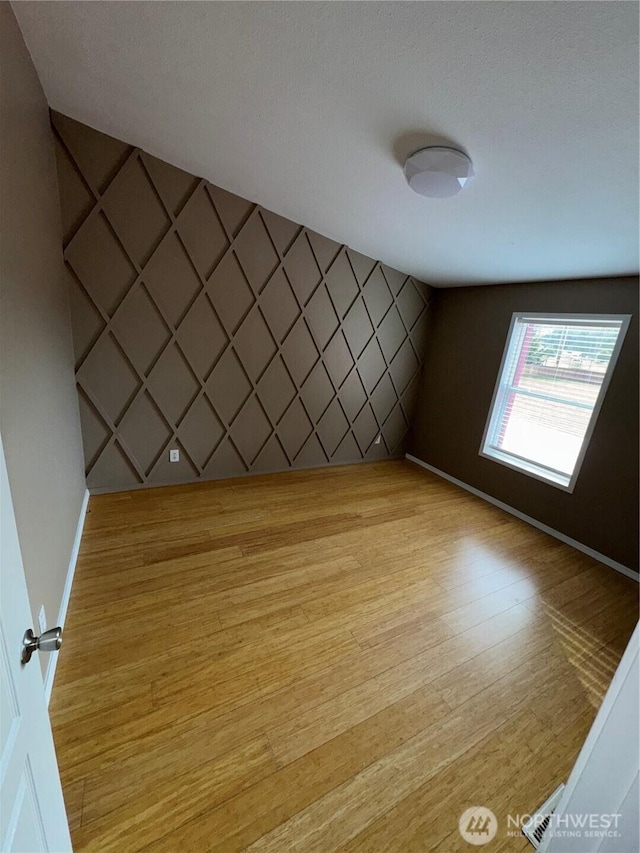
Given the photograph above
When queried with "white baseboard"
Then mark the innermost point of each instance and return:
(534, 522)
(66, 594)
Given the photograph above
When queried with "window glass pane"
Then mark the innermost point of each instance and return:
(544, 432)
(548, 391)
(568, 361)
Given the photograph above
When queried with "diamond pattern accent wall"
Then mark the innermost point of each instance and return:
(206, 323)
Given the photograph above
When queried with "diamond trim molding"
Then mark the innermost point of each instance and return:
(206, 323)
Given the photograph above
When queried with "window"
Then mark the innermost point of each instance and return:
(554, 375)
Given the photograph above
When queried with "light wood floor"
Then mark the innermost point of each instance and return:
(340, 659)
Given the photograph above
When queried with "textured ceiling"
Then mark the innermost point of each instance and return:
(309, 109)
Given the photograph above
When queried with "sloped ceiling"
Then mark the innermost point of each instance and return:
(310, 108)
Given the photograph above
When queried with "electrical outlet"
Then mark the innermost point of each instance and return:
(378, 438)
(42, 619)
(174, 455)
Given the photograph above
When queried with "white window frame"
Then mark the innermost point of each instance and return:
(525, 466)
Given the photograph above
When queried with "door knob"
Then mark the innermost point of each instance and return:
(50, 641)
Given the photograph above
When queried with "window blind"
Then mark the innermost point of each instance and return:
(551, 382)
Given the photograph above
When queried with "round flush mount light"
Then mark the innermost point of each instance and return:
(438, 172)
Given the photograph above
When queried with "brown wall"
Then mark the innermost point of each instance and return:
(466, 341)
(203, 322)
(39, 408)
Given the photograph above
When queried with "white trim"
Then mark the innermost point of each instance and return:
(66, 594)
(525, 466)
(606, 768)
(534, 522)
(566, 482)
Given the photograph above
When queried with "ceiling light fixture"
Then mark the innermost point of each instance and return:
(438, 172)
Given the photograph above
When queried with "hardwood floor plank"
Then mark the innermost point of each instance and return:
(421, 821)
(378, 629)
(324, 722)
(245, 818)
(326, 824)
(74, 801)
(335, 659)
(176, 800)
(468, 679)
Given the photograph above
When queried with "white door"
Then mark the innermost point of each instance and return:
(599, 807)
(32, 812)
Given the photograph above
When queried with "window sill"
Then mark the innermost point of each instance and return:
(530, 469)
